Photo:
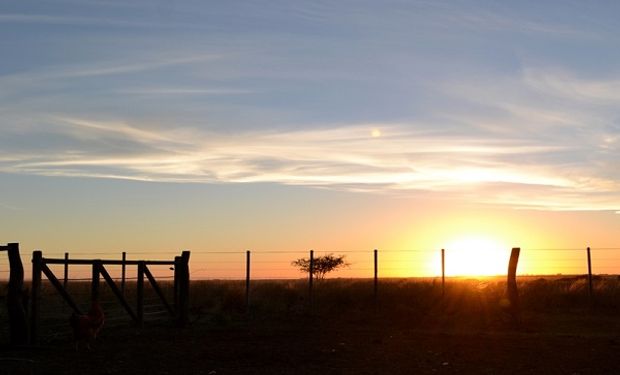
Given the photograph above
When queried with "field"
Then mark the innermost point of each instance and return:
(411, 329)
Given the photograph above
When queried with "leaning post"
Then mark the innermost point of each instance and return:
(513, 293)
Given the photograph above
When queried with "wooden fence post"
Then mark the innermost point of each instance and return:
(443, 272)
(184, 290)
(94, 287)
(310, 277)
(66, 273)
(513, 293)
(140, 294)
(123, 272)
(376, 277)
(590, 294)
(247, 280)
(177, 269)
(35, 296)
(18, 322)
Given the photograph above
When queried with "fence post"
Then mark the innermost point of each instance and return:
(94, 289)
(310, 277)
(247, 280)
(18, 322)
(37, 260)
(590, 294)
(140, 294)
(376, 277)
(177, 270)
(513, 293)
(184, 289)
(66, 276)
(123, 271)
(443, 272)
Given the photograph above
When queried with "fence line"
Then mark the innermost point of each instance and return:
(220, 268)
(221, 265)
(575, 261)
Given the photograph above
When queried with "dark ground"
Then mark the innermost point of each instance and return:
(575, 343)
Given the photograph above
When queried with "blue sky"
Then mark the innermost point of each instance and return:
(498, 104)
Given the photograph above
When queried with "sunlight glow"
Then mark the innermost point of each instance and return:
(475, 256)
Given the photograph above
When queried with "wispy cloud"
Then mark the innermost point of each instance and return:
(184, 91)
(65, 20)
(482, 20)
(423, 97)
(110, 68)
(567, 85)
(56, 78)
(9, 207)
(133, 67)
(112, 130)
(350, 157)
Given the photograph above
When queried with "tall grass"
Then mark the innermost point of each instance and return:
(479, 302)
(464, 297)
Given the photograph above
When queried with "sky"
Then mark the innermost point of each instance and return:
(282, 126)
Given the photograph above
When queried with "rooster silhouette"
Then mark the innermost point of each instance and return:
(86, 327)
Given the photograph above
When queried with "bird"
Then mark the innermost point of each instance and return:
(86, 326)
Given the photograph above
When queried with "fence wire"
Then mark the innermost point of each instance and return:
(277, 265)
(409, 262)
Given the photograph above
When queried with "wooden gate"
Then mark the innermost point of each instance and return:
(179, 309)
(16, 303)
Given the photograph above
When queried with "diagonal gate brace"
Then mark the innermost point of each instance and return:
(117, 292)
(52, 278)
(158, 290)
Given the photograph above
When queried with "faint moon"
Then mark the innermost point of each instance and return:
(376, 133)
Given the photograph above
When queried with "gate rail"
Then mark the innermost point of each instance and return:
(179, 309)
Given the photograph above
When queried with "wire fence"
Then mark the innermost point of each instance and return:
(405, 263)
(277, 265)
(391, 263)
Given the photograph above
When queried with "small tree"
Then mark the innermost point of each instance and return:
(322, 265)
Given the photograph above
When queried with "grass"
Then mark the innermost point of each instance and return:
(411, 329)
(462, 295)
(476, 299)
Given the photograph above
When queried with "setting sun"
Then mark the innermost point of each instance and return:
(475, 256)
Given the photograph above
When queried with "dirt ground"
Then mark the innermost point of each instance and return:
(568, 344)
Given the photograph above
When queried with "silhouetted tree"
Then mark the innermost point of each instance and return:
(322, 265)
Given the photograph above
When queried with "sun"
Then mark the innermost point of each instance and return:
(476, 256)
